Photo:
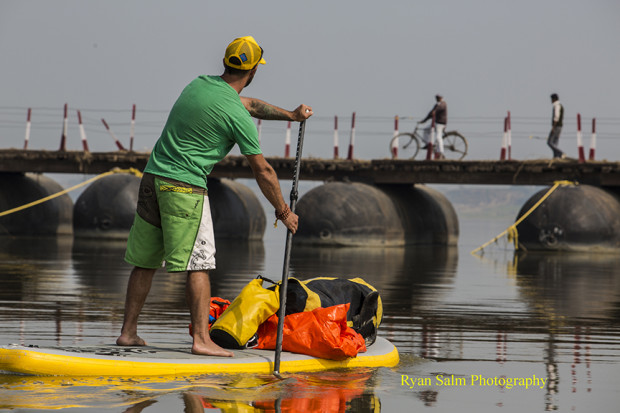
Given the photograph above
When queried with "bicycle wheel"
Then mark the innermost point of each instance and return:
(408, 145)
(454, 145)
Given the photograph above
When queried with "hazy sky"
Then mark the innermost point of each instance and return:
(378, 59)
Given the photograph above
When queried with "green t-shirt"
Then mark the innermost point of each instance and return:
(204, 124)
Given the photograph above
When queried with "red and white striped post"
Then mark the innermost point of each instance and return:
(260, 129)
(118, 144)
(395, 140)
(65, 124)
(502, 154)
(352, 139)
(82, 132)
(593, 140)
(133, 127)
(335, 137)
(27, 136)
(501, 347)
(509, 137)
(431, 143)
(287, 141)
(582, 155)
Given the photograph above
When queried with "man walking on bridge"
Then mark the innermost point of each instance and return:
(173, 220)
(557, 117)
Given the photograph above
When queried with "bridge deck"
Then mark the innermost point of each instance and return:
(380, 171)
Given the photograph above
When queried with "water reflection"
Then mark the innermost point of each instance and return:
(576, 296)
(238, 261)
(321, 392)
(31, 266)
(409, 276)
(570, 286)
(99, 265)
(338, 391)
(23, 259)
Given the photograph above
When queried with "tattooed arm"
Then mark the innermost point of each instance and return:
(263, 110)
(270, 187)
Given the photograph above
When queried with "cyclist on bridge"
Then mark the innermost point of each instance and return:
(440, 110)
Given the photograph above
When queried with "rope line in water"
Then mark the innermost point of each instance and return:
(64, 191)
(511, 232)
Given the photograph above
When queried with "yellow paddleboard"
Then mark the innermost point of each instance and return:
(112, 360)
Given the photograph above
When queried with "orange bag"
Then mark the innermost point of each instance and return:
(322, 332)
(216, 307)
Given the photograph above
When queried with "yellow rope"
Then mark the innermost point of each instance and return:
(57, 194)
(512, 232)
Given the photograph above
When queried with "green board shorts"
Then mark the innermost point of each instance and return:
(173, 225)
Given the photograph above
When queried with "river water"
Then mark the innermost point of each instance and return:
(472, 331)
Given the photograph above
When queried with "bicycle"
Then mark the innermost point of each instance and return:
(454, 144)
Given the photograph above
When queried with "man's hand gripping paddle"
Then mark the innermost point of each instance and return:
(287, 253)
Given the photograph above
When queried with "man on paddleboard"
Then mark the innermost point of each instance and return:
(173, 220)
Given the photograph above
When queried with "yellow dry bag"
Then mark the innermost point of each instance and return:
(239, 323)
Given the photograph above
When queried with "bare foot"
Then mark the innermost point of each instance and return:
(130, 341)
(211, 349)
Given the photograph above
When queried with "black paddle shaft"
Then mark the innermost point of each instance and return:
(287, 252)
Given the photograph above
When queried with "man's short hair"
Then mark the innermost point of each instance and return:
(235, 72)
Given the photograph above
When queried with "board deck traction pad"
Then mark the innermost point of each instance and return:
(171, 359)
